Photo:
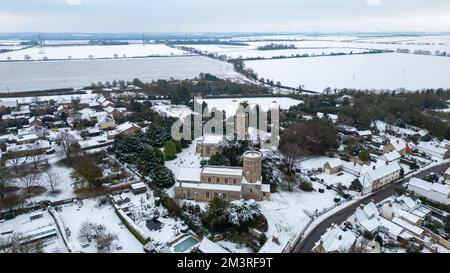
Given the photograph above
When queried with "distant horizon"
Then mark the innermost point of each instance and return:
(200, 16)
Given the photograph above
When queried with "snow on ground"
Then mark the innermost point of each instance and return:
(232, 51)
(370, 71)
(188, 158)
(97, 51)
(175, 111)
(286, 214)
(73, 218)
(345, 179)
(230, 106)
(23, 225)
(233, 247)
(142, 207)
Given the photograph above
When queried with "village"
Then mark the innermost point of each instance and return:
(98, 171)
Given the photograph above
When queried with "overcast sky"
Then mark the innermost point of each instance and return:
(223, 15)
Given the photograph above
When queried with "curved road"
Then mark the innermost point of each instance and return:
(306, 245)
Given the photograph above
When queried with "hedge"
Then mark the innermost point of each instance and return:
(133, 231)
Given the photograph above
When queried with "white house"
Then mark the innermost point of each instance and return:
(432, 149)
(335, 240)
(378, 177)
(434, 191)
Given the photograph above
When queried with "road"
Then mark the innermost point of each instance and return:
(306, 245)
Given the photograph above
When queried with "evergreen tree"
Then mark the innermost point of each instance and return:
(150, 158)
(216, 217)
(170, 150)
(162, 177)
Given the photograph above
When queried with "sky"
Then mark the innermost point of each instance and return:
(223, 15)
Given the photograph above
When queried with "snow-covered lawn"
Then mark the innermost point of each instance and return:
(23, 225)
(372, 71)
(230, 106)
(287, 212)
(97, 51)
(73, 218)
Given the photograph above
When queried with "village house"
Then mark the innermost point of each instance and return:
(127, 128)
(398, 145)
(232, 183)
(22, 150)
(391, 156)
(35, 121)
(432, 149)
(335, 240)
(333, 166)
(435, 192)
(106, 123)
(380, 175)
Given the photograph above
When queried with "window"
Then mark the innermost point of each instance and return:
(209, 179)
(250, 190)
(207, 195)
(189, 194)
(217, 180)
(224, 195)
(234, 181)
(226, 180)
(216, 195)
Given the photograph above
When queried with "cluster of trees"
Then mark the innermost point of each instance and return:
(222, 215)
(144, 150)
(273, 46)
(360, 109)
(181, 92)
(307, 138)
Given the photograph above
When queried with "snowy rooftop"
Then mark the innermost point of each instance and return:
(414, 229)
(227, 171)
(208, 246)
(337, 240)
(427, 186)
(187, 174)
(391, 156)
(212, 139)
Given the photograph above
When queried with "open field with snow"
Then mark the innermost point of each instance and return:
(375, 71)
(92, 52)
(251, 51)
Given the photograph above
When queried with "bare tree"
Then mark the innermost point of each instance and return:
(52, 179)
(29, 180)
(36, 160)
(15, 164)
(87, 230)
(105, 239)
(68, 144)
(5, 181)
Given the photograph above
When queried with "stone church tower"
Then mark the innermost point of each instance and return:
(251, 186)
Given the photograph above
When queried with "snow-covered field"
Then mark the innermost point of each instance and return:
(252, 52)
(372, 71)
(175, 111)
(73, 218)
(92, 52)
(230, 106)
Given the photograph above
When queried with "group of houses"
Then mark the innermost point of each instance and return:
(42, 120)
(395, 222)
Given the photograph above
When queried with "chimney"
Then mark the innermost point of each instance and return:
(373, 167)
(340, 237)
